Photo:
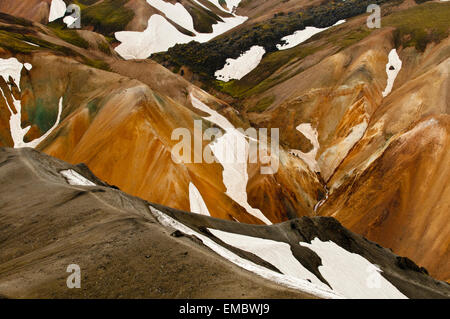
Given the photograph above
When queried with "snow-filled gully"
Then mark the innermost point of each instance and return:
(322, 201)
(312, 135)
(13, 68)
(350, 275)
(229, 150)
(196, 202)
(57, 10)
(76, 179)
(282, 279)
(393, 67)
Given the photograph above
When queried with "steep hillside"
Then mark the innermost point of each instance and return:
(55, 214)
(363, 114)
(343, 99)
(206, 58)
(117, 125)
(122, 249)
(34, 10)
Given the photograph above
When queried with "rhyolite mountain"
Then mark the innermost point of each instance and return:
(54, 214)
(373, 156)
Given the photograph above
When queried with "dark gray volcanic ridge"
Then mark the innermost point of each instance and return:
(129, 248)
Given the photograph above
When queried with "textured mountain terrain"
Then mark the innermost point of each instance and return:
(113, 119)
(331, 100)
(363, 118)
(54, 214)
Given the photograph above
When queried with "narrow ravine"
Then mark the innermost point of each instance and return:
(231, 150)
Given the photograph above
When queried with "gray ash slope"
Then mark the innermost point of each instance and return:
(124, 251)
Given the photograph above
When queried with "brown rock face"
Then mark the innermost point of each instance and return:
(382, 162)
(34, 10)
(393, 186)
(120, 124)
(122, 130)
(402, 199)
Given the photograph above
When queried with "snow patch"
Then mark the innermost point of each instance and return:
(231, 150)
(240, 67)
(301, 36)
(160, 34)
(74, 178)
(214, 116)
(333, 155)
(393, 67)
(276, 253)
(175, 12)
(197, 204)
(309, 158)
(281, 279)
(69, 20)
(351, 275)
(322, 201)
(30, 43)
(18, 133)
(57, 10)
(13, 68)
(220, 28)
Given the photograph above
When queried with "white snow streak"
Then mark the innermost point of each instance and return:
(281, 279)
(197, 204)
(333, 155)
(240, 67)
(231, 150)
(18, 133)
(322, 201)
(13, 68)
(301, 36)
(57, 10)
(30, 43)
(160, 34)
(73, 178)
(309, 158)
(396, 63)
(175, 12)
(349, 274)
(276, 253)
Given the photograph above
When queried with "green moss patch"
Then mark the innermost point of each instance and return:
(263, 104)
(108, 16)
(69, 36)
(43, 116)
(421, 25)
